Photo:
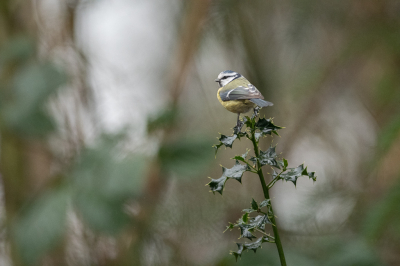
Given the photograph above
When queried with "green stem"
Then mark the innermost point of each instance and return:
(266, 195)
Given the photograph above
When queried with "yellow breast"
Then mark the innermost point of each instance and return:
(236, 106)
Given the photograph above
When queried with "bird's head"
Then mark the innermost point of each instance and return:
(227, 76)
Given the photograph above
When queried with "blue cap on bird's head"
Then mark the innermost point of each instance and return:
(227, 76)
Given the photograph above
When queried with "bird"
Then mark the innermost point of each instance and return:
(238, 95)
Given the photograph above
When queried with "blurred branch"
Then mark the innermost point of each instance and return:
(191, 33)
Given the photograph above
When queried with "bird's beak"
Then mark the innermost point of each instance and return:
(216, 80)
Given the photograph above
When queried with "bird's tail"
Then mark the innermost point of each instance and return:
(261, 103)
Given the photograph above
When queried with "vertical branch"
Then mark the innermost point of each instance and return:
(278, 242)
(191, 32)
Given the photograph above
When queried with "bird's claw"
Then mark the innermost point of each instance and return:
(238, 127)
(256, 110)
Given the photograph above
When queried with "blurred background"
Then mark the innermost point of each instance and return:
(108, 112)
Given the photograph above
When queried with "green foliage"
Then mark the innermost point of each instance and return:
(32, 85)
(25, 92)
(98, 189)
(102, 184)
(384, 215)
(17, 50)
(250, 225)
(41, 225)
(166, 118)
(389, 134)
(185, 157)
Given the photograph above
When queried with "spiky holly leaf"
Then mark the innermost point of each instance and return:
(217, 185)
(269, 157)
(242, 157)
(257, 244)
(258, 135)
(254, 205)
(244, 219)
(230, 226)
(225, 140)
(293, 173)
(285, 164)
(236, 172)
(237, 130)
(228, 140)
(239, 252)
(251, 246)
(250, 122)
(266, 126)
(310, 175)
(248, 210)
(246, 231)
(264, 203)
(259, 221)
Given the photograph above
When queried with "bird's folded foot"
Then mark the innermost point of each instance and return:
(256, 111)
(238, 127)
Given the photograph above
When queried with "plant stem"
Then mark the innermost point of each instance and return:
(266, 195)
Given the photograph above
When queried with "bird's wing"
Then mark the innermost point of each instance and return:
(241, 93)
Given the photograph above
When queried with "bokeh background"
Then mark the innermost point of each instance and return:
(108, 112)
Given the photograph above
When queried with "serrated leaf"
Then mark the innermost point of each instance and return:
(217, 185)
(254, 205)
(293, 173)
(258, 135)
(249, 122)
(216, 147)
(259, 221)
(266, 126)
(239, 252)
(254, 160)
(246, 231)
(251, 246)
(274, 174)
(225, 140)
(230, 226)
(236, 172)
(242, 157)
(248, 210)
(244, 218)
(285, 164)
(257, 244)
(265, 203)
(269, 157)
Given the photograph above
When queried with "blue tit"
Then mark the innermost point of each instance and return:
(237, 94)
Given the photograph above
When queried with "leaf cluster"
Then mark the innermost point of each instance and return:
(255, 130)
(249, 225)
(262, 127)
